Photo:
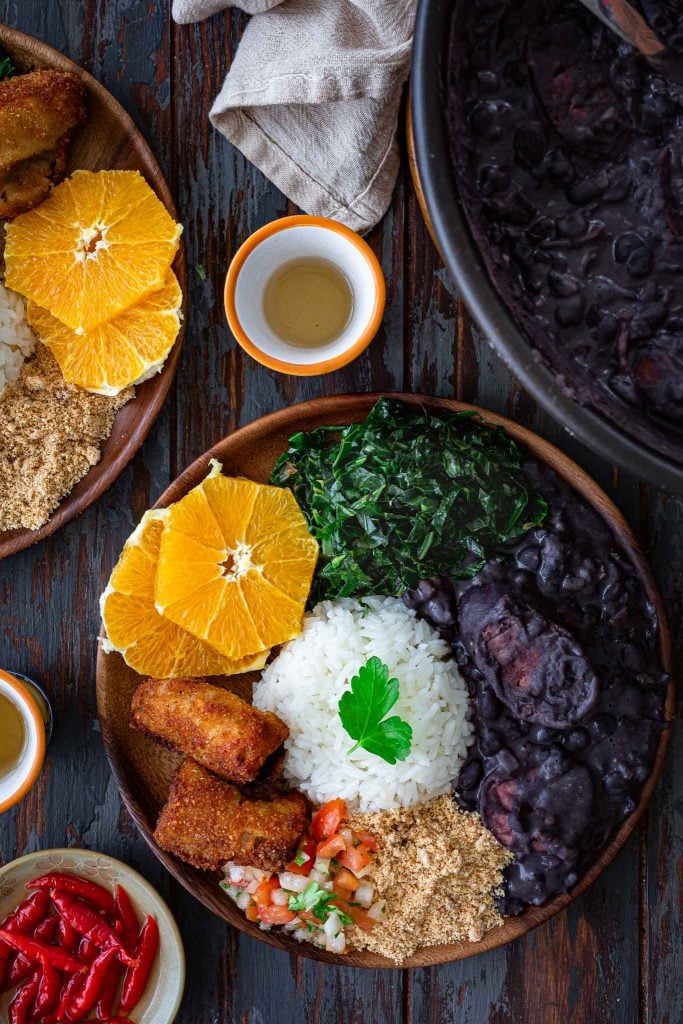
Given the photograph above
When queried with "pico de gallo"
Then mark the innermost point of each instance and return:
(321, 892)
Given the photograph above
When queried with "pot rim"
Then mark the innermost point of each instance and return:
(465, 264)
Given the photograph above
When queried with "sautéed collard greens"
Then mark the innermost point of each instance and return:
(407, 495)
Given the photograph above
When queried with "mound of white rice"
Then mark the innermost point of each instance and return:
(17, 341)
(304, 683)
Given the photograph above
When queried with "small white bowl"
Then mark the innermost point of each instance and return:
(19, 780)
(270, 248)
(161, 1000)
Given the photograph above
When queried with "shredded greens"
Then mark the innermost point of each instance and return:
(407, 495)
(363, 710)
(7, 68)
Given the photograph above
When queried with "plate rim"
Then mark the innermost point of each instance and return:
(512, 927)
(69, 508)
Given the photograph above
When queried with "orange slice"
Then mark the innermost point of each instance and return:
(123, 351)
(98, 244)
(235, 564)
(150, 644)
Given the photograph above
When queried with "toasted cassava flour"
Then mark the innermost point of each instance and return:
(50, 436)
(439, 871)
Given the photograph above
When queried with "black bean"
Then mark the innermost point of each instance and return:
(640, 262)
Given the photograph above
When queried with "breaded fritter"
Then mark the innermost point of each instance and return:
(212, 725)
(207, 822)
(39, 112)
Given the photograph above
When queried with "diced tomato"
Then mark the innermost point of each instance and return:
(275, 915)
(341, 893)
(358, 915)
(327, 820)
(331, 847)
(308, 848)
(264, 891)
(355, 858)
(251, 913)
(346, 880)
(308, 915)
(365, 837)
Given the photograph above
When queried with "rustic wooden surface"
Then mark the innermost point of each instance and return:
(614, 956)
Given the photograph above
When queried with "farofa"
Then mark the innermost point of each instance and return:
(50, 436)
(439, 871)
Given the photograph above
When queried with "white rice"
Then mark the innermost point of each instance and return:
(17, 341)
(304, 683)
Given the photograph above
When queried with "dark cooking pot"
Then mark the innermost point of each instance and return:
(463, 259)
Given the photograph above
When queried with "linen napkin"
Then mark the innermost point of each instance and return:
(312, 98)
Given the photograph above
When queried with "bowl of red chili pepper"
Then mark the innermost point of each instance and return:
(85, 937)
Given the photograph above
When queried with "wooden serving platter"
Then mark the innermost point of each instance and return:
(142, 769)
(108, 141)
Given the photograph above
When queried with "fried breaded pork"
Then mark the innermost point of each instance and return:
(39, 112)
(208, 723)
(207, 822)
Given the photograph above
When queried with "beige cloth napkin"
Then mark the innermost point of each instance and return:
(312, 98)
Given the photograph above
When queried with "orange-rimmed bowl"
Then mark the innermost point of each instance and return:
(270, 248)
(16, 784)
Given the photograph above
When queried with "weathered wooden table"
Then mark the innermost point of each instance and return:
(611, 959)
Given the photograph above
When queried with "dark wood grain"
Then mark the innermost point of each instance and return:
(614, 957)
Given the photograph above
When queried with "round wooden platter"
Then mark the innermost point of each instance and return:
(142, 769)
(108, 141)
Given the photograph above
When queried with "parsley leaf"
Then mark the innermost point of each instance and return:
(317, 902)
(362, 711)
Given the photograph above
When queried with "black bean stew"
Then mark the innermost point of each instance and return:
(558, 642)
(568, 150)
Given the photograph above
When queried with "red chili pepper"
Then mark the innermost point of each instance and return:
(125, 912)
(138, 972)
(70, 990)
(20, 970)
(19, 1010)
(95, 894)
(49, 987)
(88, 995)
(39, 951)
(68, 938)
(105, 1002)
(47, 929)
(86, 921)
(87, 951)
(25, 918)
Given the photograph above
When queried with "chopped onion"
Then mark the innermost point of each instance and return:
(253, 886)
(332, 926)
(364, 871)
(336, 943)
(322, 865)
(301, 934)
(292, 925)
(378, 910)
(235, 872)
(347, 836)
(290, 880)
(328, 886)
(243, 900)
(317, 876)
(364, 894)
(280, 898)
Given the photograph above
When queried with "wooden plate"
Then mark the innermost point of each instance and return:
(109, 140)
(142, 769)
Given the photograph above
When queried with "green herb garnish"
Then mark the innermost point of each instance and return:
(317, 902)
(363, 708)
(407, 495)
(7, 68)
(301, 858)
